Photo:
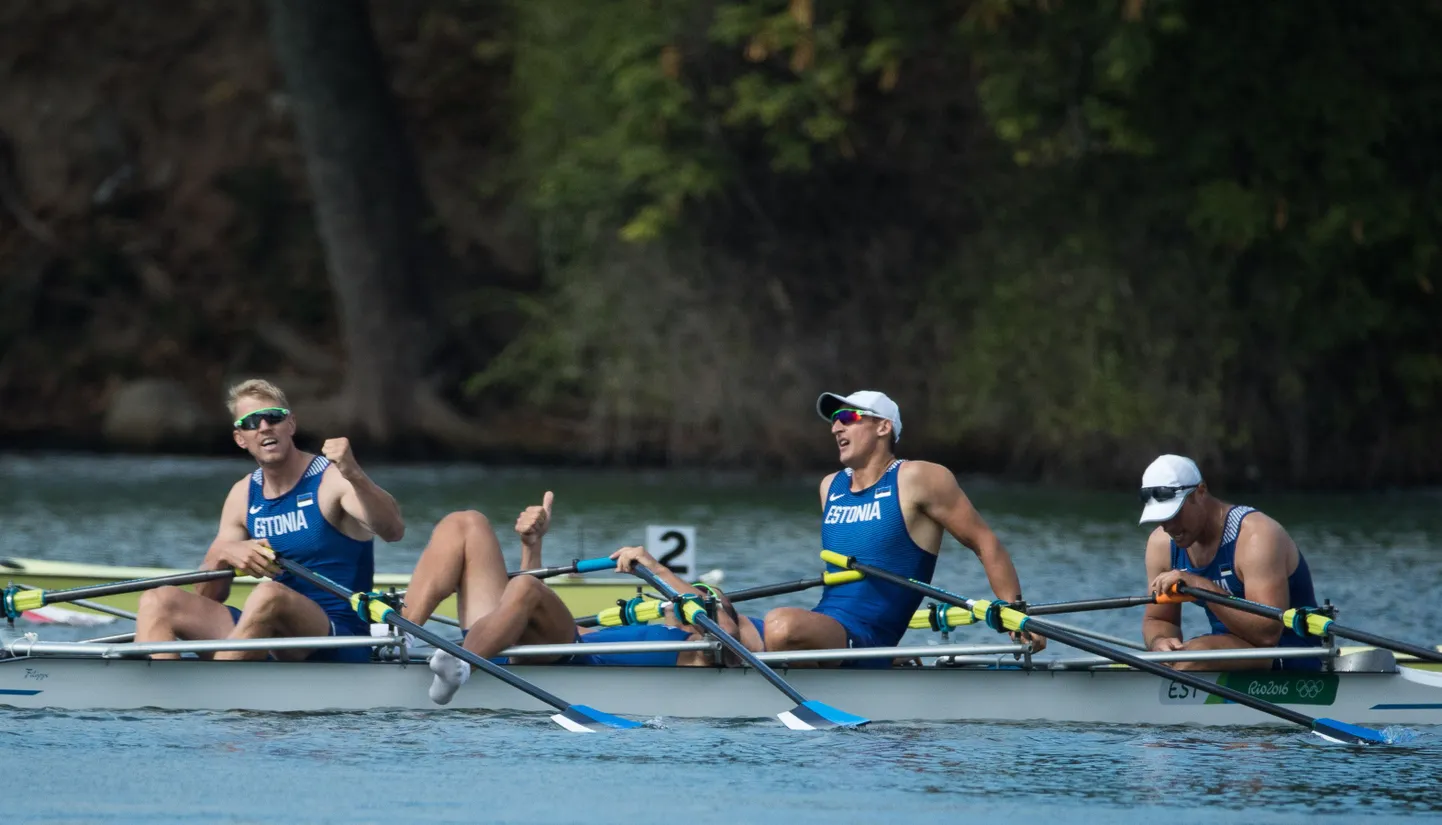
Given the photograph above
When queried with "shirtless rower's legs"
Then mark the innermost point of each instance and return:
(530, 612)
(168, 614)
(462, 557)
(794, 628)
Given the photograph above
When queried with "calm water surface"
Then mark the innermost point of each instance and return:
(1373, 555)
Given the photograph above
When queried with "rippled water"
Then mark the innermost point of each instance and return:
(1373, 555)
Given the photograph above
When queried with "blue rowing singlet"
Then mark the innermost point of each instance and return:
(296, 529)
(869, 525)
(1222, 572)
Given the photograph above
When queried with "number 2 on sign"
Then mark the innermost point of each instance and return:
(674, 547)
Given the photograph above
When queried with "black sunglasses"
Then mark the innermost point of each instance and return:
(273, 415)
(1163, 493)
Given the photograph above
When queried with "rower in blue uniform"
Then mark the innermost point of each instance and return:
(322, 511)
(889, 513)
(1235, 550)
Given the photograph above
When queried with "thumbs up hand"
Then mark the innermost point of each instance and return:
(535, 520)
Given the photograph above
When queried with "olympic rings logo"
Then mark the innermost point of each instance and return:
(1309, 688)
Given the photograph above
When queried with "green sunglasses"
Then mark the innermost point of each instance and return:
(251, 421)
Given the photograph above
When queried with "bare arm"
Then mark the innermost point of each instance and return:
(941, 499)
(362, 499)
(232, 532)
(1261, 558)
(1160, 622)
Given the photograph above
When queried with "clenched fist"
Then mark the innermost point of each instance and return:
(535, 520)
(338, 452)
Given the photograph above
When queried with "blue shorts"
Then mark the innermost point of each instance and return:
(859, 634)
(630, 633)
(339, 626)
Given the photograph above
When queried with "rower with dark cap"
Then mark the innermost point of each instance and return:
(1208, 544)
(890, 513)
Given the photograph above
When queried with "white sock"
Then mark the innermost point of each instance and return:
(450, 673)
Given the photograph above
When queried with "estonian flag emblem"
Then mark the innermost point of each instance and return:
(883, 492)
(305, 500)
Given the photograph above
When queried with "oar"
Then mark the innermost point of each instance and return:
(14, 601)
(576, 566)
(647, 609)
(1052, 608)
(1308, 621)
(89, 605)
(999, 615)
(808, 714)
(577, 718)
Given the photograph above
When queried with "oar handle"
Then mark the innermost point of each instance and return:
(577, 566)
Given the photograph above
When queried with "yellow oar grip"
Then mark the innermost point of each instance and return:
(29, 599)
(841, 577)
(1011, 618)
(376, 608)
(1317, 625)
(690, 609)
(921, 619)
(835, 558)
(646, 611)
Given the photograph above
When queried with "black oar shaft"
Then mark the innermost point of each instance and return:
(706, 623)
(1392, 644)
(758, 592)
(1259, 609)
(1088, 604)
(435, 639)
(1040, 627)
(762, 591)
(96, 591)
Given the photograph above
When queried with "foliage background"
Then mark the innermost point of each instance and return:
(1064, 236)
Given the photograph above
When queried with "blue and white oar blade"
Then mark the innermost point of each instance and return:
(581, 719)
(814, 715)
(1344, 733)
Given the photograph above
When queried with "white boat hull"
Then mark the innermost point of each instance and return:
(1408, 697)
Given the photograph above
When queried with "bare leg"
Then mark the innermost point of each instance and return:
(274, 610)
(462, 557)
(792, 628)
(529, 613)
(1221, 641)
(168, 614)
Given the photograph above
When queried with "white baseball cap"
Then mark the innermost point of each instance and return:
(868, 401)
(1169, 471)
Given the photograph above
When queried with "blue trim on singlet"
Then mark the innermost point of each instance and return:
(1222, 572)
(870, 526)
(297, 529)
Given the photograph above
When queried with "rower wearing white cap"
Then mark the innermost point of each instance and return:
(890, 513)
(1234, 550)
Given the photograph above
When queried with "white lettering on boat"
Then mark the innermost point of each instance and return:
(1268, 689)
(268, 526)
(851, 513)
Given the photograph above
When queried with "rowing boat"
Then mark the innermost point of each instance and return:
(584, 595)
(953, 683)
